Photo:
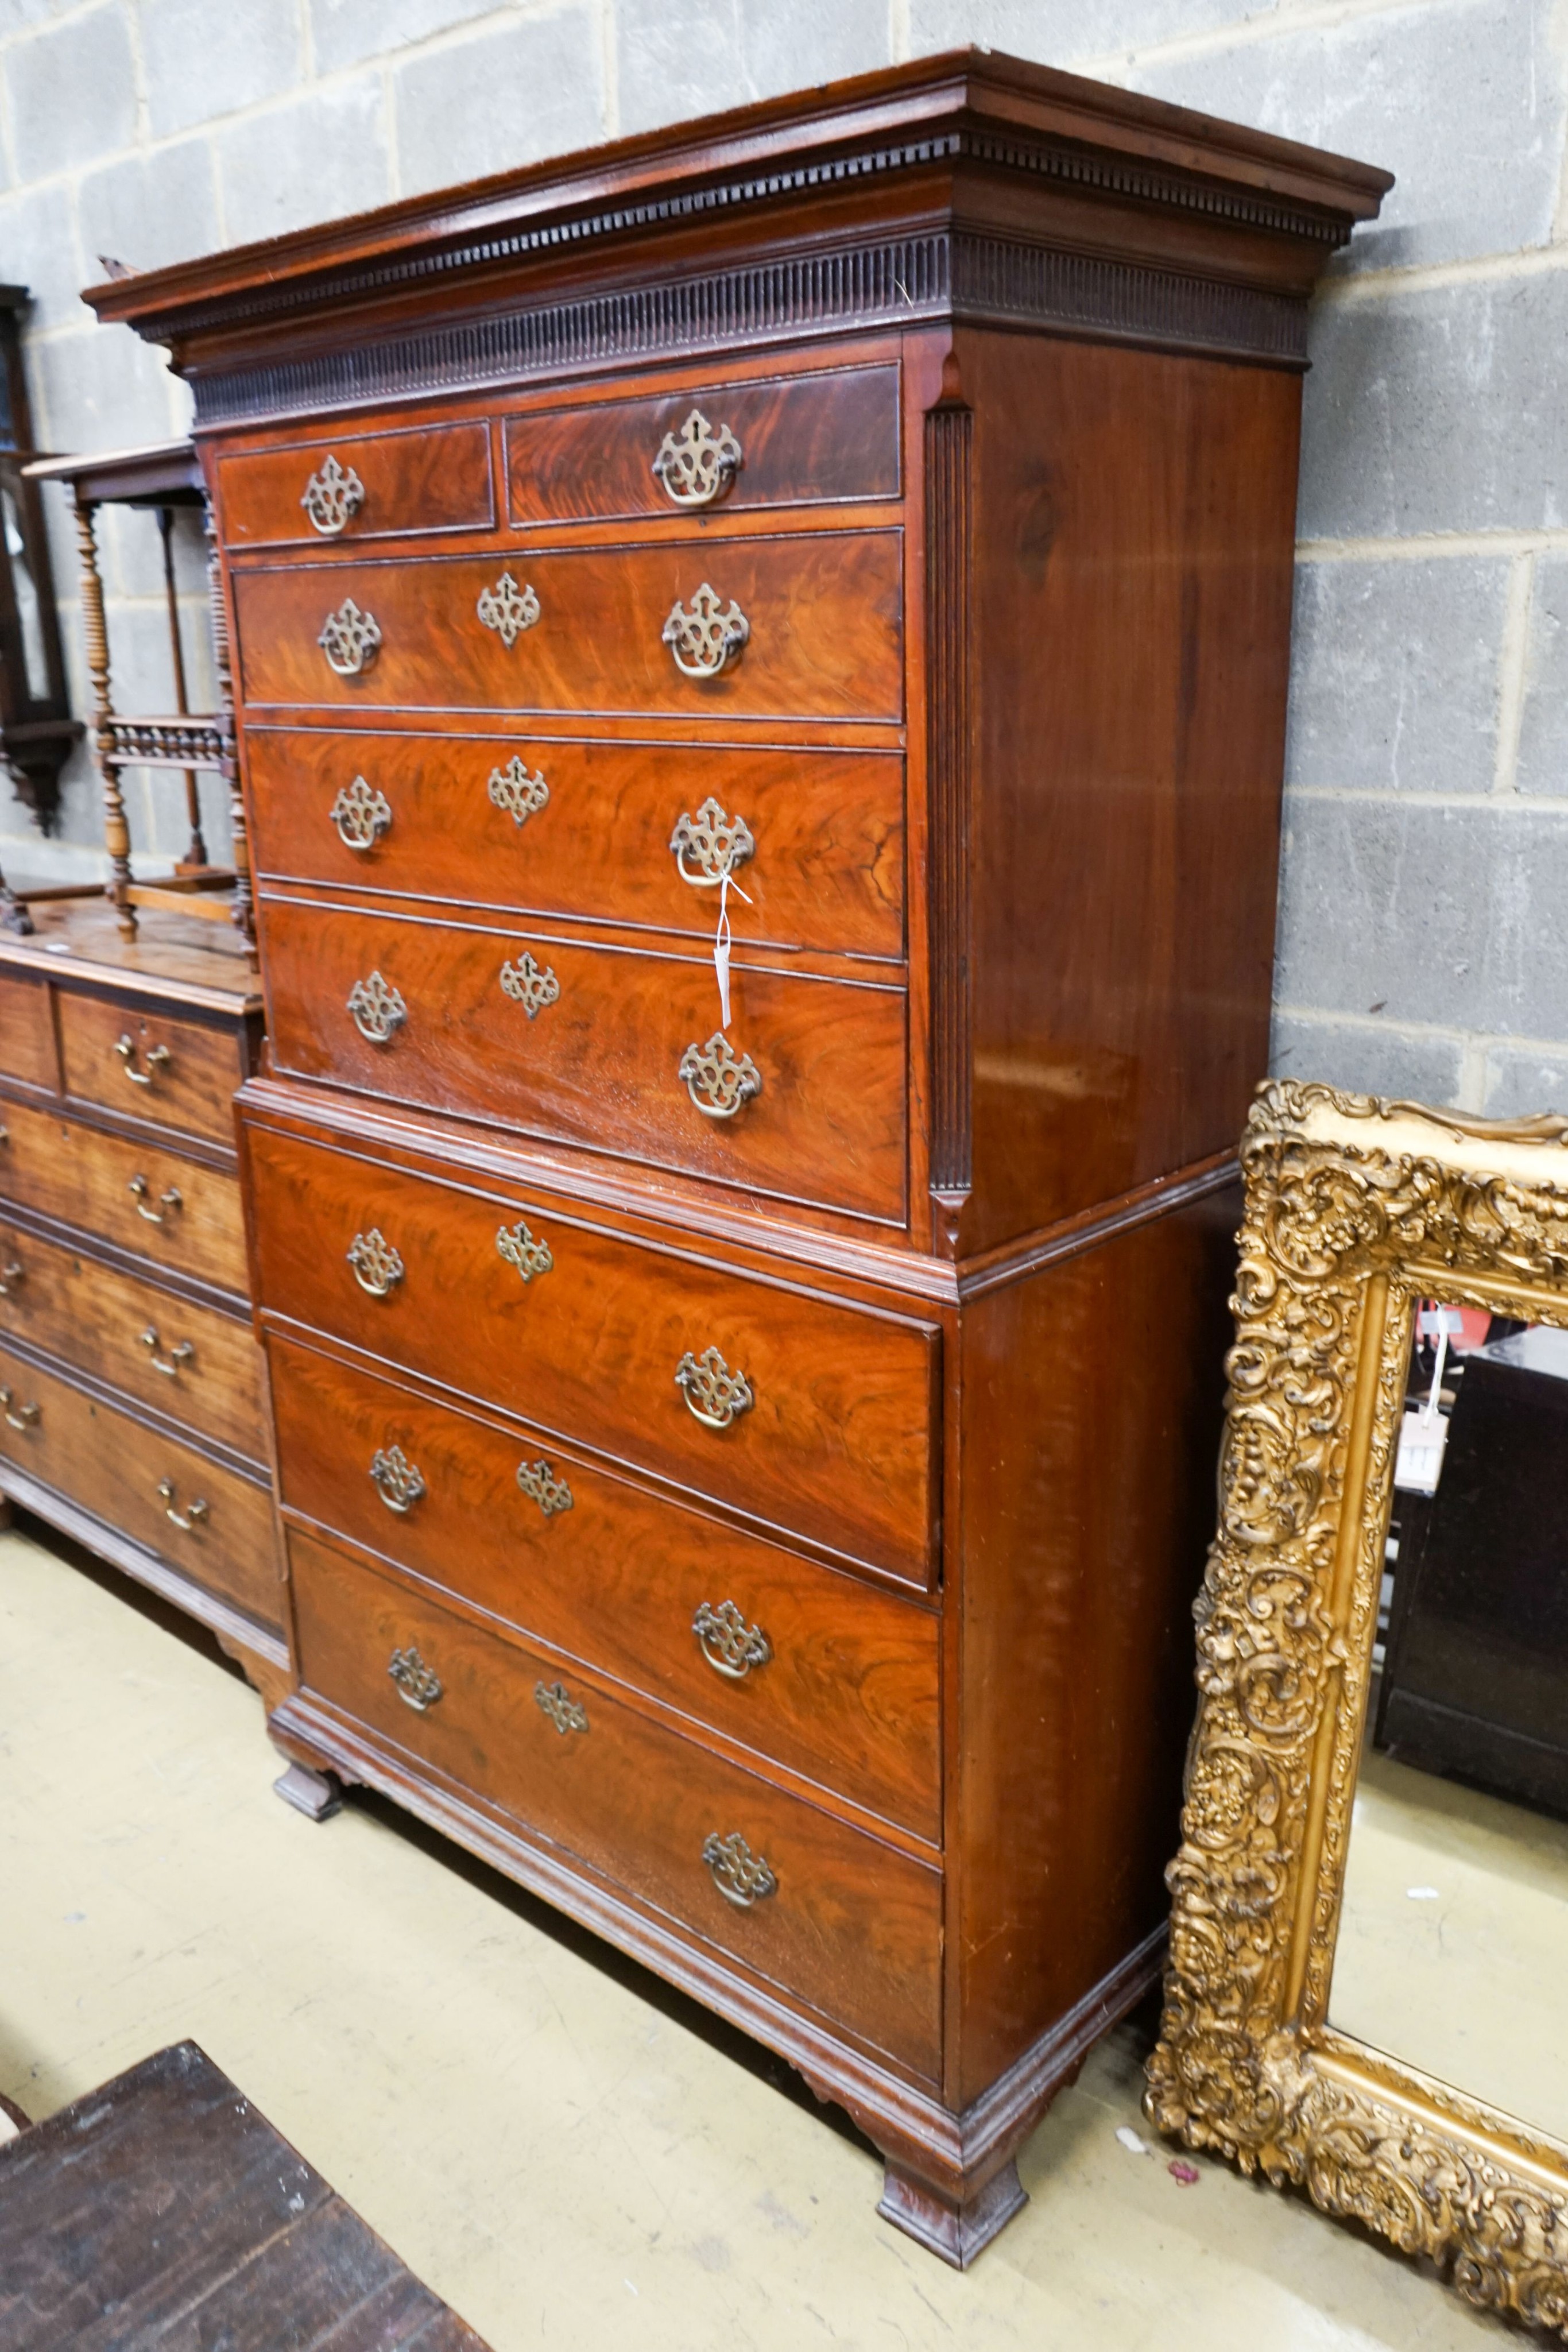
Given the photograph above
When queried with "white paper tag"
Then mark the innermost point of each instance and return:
(721, 945)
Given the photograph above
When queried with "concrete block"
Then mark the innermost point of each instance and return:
(1368, 1057)
(17, 16)
(1446, 917)
(150, 210)
(1394, 675)
(70, 93)
(203, 61)
(1463, 101)
(347, 32)
(39, 238)
(1440, 410)
(683, 58)
(1522, 1080)
(1543, 726)
(323, 155)
(499, 100)
(130, 552)
(104, 389)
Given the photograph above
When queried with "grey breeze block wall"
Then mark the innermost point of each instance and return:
(1423, 944)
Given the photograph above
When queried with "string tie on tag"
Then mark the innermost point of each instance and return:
(722, 943)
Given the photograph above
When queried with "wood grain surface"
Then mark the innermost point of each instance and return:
(421, 480)
(74, 1171)
(26, 1031)
(192, 1093)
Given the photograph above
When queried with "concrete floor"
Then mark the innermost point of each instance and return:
(563, 2151)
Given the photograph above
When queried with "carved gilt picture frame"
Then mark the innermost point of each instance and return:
(1355, 1210)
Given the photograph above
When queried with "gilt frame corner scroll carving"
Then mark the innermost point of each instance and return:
(1355, 1209)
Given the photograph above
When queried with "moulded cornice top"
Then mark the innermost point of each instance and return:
(997, 111)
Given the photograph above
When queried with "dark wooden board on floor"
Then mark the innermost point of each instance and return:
(164, 2210)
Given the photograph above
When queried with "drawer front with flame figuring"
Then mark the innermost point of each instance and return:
(357, 486)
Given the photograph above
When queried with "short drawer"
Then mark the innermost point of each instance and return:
(585, 1043)
(626, 833)
(182, 1074)
(822, 613)
(426, 478)
(156, 1202)
(27, 1032)
(832, 1917)
(208, 1522)
(197, 1365)
(819, 1416)
(775, 441)
(812, 1668)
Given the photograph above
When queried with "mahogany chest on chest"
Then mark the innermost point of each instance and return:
(745, 1437)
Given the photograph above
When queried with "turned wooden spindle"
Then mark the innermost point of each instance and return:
(116, 829)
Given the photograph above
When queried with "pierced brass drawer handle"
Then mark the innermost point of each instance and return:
(554, 1700)
(719, 1080)
(741, 1877)
(718, 843)
(159, 1058)
(333, 497)
(190, 1516)
(512, 788)
(172, 1364)
(730, 1645)
(508, 609)
(350, 639)
(395, 1479)
(377, 1008)
(362, 816)
(715, 1395)
(25, 1416)
(12, 1277)
(540, 1485)
(518, 1247)
(377, 1266)
(709, 638)
(169, 1201)
(696, 465)
(418, 1686)
(530, 986)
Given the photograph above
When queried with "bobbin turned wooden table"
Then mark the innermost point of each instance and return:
(746, 1465)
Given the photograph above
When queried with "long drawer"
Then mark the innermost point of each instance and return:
(195, 1365)
(208, 1522)
(812, 1668)
(819, 1416)
(580, 1042)
(822, 613)
(831, 1915)
(581, 828)
(148, 1199)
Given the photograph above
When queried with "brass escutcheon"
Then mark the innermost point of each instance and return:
(377, 1266)
(715, 1395)
(350, 639)
(741, 1877)
(377, 1008)
(333, 496)
(730, 1645)
(362, 814)
(696, 465)
(512, 788)
(158, 1058)
(718, 843)
(554, 1700)
(540, 1485)
(418, 1686)
(518, 1247)
(719, 1080)
(508, 609)
(530, 985)
(709, 638)
(395, 1479)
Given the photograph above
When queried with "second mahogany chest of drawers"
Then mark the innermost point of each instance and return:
(760, 663)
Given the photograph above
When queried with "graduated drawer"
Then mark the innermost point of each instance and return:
(192, 1363)
(768, 442)
(210, 1523)
(836, 1444)
(583, 828)
(165, 1207)
(852, 1928)
(421, 478)
(824, 611)
(27, 1032)
(583, 1042)
(179, 1074)
(812, 1668)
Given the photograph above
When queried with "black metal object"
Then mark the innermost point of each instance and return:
(37, 729)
